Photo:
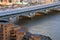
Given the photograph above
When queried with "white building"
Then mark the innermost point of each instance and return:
(41, 1)
(56, 0)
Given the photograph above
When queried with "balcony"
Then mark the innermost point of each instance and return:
(1, 35)
(12, 32)
(1, 28)
(1, 32)
(1, 38)
(12, 37)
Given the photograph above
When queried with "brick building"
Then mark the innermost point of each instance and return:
(8, 31)
(5, 30)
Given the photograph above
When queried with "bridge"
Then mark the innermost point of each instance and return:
(27, 9)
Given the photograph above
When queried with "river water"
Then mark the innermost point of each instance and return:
(46, 25)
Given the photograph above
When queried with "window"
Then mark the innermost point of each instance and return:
(12, 31)
(21, 0)
(5, 32)
(1, 38)
(13, 37)
(10, 1)
(1, 28)
(5, 35)
(1, 0)
(1, 34)
(5, 26)
(5, 29)
(1, 25)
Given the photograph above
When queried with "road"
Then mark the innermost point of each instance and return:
(27, 9)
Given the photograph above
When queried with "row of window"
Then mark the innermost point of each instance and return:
(10, 1)
(6, 0)
(1, 35)
(1, 38)
(13, 37)
(1, 0)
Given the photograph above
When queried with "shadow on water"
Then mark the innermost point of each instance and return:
(3, 21)
(36, 19)
(41, 17)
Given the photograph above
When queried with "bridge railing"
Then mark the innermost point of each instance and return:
(25, 9)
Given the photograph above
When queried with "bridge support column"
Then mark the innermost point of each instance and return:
(11, 19)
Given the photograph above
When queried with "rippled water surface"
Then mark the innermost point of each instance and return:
(46, 25)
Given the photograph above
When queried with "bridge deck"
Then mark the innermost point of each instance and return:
(24, 9)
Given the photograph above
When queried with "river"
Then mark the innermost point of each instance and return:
(46, 25)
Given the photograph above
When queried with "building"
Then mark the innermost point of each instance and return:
(10, 32)
(11, 2)
(8, 2)
(56, 0)
(49, 1)
(41, 1)
(5, 30)
(13, 33)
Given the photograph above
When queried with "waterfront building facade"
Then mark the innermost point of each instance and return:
(5, 31)
(9, 31)
(10, 2)
(49, 1)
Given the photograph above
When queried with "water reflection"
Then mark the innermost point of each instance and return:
(48, 25)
